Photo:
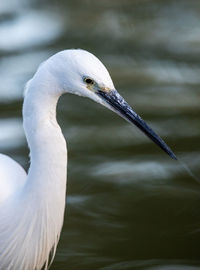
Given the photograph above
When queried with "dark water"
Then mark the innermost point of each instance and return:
(129, 206)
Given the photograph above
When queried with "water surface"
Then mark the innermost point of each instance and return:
(129, 206)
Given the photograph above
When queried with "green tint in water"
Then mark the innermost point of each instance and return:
(129, 206)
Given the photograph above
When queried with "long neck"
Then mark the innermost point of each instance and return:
(33, 217)
(46, 182)
(48, 153)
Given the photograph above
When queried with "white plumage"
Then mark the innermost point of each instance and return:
(13, 177)
(32, 209)
(32, 206)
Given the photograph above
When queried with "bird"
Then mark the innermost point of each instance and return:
(32, 204)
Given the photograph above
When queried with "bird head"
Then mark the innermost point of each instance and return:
(80, 72)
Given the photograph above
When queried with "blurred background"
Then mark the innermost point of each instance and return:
(129, 206)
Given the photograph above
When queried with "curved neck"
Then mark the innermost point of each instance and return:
(48, 152)
(39, 207)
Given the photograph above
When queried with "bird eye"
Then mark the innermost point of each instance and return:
(88, 81)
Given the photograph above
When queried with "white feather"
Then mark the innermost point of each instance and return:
(32, 207)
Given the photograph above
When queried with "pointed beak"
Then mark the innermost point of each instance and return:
(121, 107)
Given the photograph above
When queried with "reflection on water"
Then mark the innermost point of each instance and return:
(129, 206)
(11, 133)
(29, 29)
(15, 71)
(150, 265)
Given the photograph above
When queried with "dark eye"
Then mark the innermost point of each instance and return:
(89, 81)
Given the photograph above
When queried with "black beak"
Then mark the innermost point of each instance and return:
(120, 106)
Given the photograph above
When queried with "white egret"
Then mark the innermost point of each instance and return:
(32, 206)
